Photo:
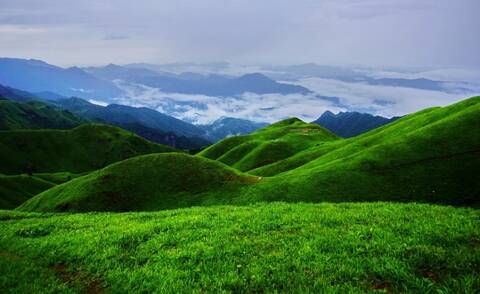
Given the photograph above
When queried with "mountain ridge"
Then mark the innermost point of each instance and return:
(350, 124)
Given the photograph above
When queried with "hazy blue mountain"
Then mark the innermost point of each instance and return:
(205, 68)
(22, 110)
(47, 95)
(313, 70)
(145, 122)
(15, 94)
(421, 83)
(194, 83)
(350, 124)
(346, 74)
(216, 85)
(229, 126)
(114, 72)
(38, 76)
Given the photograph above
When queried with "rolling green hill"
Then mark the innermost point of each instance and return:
(16, 189)
(35, 115)
(264, 248)
(268, 145)
(432, 155)
(85, 148)
(429, 156)
(150, 182)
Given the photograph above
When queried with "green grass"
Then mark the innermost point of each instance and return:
(85, 148)
(149, 182)
(35, 115)
(16, 189)
(431, 156)
(264, 248)
(268, 145)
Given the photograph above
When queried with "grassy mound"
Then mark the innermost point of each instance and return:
(16, 189)
(268, 145)
(267, 248)
(150, 182)
(433, 156)
(85, 148)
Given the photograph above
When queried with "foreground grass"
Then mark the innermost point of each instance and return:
(260, 248)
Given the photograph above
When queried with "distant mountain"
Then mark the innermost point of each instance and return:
(204, 68)
(38, 76)
(229, 126)
(22, 110)
(313, 70)
(145, 122)
(350, 124)
(192, 83)
(346, 74)
(47, 95)
(114, 72)
(15, 94)
(35, 115)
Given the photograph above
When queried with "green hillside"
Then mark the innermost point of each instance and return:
(35, 115)
(150, 182)
(430, 156)
(16, 189)
(85, 148)
(268, 145)
(265, 248)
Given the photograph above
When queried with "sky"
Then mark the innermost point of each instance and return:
(410, 33)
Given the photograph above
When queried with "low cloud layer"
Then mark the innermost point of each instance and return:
(382, 100)
(201, 109)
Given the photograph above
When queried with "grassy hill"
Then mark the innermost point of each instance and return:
(268, 145)
(16, 189)
(429, 156)
(265, 248)
(35, 115)
(85, 148)
(432, 155)
(150, 182)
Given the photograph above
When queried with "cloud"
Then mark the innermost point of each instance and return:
(203, 109)
(382, 100)
(379, 32)
(114, 37)
(446, 74)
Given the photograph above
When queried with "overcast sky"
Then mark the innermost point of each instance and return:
(438, 33)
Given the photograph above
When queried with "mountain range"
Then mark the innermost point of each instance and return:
(23, 110)
(30, 112)
(191, 83)
(38, 76)
(308, 70)
(145, 122)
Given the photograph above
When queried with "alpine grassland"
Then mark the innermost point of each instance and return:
(261, 248)
(431, 156)
(290, 208)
